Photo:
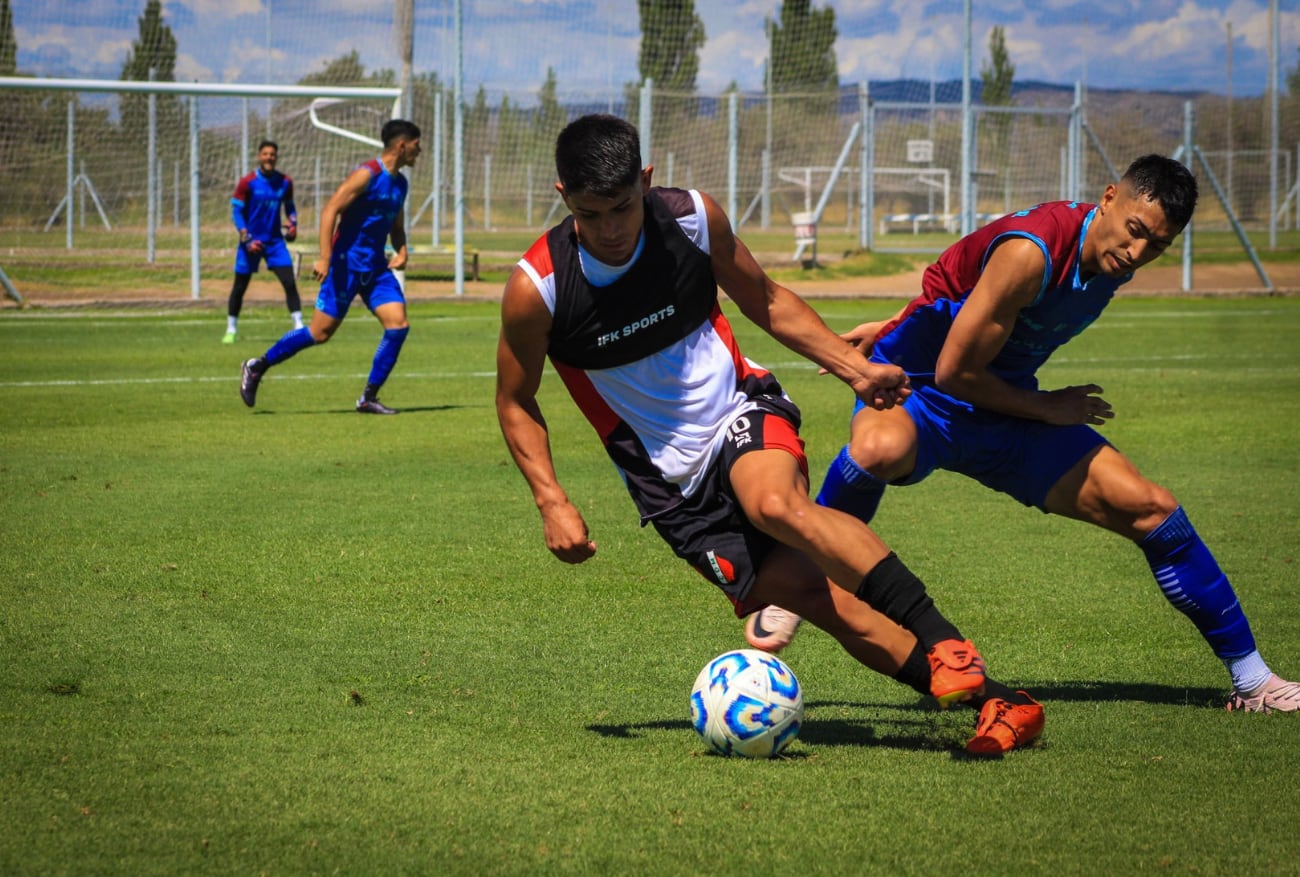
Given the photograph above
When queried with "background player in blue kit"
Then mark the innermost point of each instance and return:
(255, 211)
(355, 225)
(994, 307)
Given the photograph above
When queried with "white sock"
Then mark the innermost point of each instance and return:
(232, 324)
(297, 319)
(1248, 672)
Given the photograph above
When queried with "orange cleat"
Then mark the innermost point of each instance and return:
(1003, 726)
(956, 672)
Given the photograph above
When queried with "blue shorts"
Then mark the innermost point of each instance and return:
(276, 254)
(342, 285)
(1021, 458)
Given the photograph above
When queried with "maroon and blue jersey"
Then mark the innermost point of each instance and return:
(1066, 303)
(363, 228)
(256, 204)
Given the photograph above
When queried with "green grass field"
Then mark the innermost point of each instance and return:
(296, 641)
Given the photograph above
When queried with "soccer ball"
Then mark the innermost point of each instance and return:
(747, 703)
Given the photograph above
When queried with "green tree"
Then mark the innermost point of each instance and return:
(548, 120)
(803, 55)
(154, 49)
(343, 70)
(997, 74)
(803, 49)
(478, 138)
(671, 38)
(8, 43)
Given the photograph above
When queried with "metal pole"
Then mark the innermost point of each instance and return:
(487, 192)
(967, 138)
(766, 211)
(1187, 231)
(1076, 143)
(1229, 132)
(1274, 56)
(10, 290)
(194, 196)
(866, 174)
(644, 121)
(72, 176)
(151, 247)
(439, 135)
(733, 150)
(243, 140)
(458, 149)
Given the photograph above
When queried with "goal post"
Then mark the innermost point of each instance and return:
(131, 162)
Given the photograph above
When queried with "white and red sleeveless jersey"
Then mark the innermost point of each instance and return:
(645, 350)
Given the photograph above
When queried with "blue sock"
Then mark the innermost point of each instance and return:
(289, 344)
(850, 488)
(1192, 582)
(386, 355)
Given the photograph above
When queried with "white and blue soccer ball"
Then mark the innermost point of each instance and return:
(747, 703)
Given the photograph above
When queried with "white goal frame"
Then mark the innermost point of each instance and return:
(194, 90)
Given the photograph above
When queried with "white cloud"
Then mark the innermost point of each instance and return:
(510, 43)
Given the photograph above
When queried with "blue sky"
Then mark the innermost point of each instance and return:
(592, 44)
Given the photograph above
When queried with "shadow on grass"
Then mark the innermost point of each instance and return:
(921, 726)
(410, 409)
(1096, 691)
(925, 732)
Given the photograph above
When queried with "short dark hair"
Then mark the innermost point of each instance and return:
(270, 143)
(398, 128)
(1167, 182)
(599, 154)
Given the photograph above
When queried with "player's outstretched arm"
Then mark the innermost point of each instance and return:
(1010, 282)
(789, 319)
(521, 357)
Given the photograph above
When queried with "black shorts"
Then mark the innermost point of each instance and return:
(709, 529)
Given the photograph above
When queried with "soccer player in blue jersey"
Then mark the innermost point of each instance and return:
(356, 224)
(993, 309)
(255, 211)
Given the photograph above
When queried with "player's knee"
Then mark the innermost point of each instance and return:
(1157, 504)
(773, 512)
(882, 452)
(321, 335)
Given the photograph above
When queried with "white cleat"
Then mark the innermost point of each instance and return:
(1275, 696)
(771, 628)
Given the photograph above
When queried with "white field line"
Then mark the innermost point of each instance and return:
(231, 379)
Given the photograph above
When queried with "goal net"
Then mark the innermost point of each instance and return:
(778, 112)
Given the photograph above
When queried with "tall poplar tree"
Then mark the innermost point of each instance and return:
(671, 38)
(154, 49)
(997, 75)
(8, 43)
(803, 53)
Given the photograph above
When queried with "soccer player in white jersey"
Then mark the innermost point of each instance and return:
(622, 297)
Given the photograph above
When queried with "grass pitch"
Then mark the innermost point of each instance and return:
(294, 640)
